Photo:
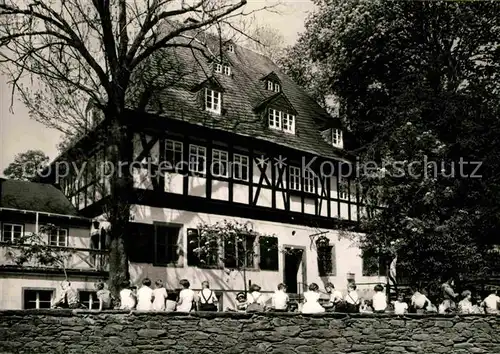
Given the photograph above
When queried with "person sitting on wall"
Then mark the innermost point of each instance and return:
(491, 302)
(400, 306)
(187, 297)
(335, 297)
(171, 303)
(352, 298)
(68, 298)
(280, 299)
(311, 300)
(477, 305)
(365, 306)
(127, 297)
(379, 299)
(465, 305)
(159, 296)
(256, 301)
(104, 297)
(145, 296)
(419, 302)
(449, 296)
(241, 302)
(207, 301)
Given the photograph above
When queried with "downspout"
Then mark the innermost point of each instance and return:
(36, 223)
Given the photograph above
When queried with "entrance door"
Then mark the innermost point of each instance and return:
(294, 269)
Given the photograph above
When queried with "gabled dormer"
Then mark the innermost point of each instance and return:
(279, 112)
(272, 82)
(222, 65)
(229, 46)
(333, 136)
(210, 95)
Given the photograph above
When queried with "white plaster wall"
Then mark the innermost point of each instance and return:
(348, 258)
(11, 287)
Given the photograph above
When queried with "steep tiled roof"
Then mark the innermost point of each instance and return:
(171, 76)
(34, 196)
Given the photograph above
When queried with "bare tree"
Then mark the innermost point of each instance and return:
(75, 51)
(267, 40)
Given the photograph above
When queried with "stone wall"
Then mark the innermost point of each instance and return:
(61, 331)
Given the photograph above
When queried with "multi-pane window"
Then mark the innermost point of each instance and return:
(11, 232)
(218, 68)
(373, 265)
(230, 48)
(326, 261)
(197, 158)
(294, 178)
(240, 167)
(89, 299)
(281, 120)
(269, 253)
(220, 161)
(343, 189)
(337, 138)
(202, 251)
(173, 154)
(227, 70)
(274, 119)
(213, 101)
(239, 251)
(166, 244)
(273, 86)
(288, 122)
(38, 299)
(309, 178)
(58, 237)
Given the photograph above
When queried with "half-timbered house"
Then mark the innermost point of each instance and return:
(228, 136)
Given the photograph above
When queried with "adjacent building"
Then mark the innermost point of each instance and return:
(25, 208)
(229, 137)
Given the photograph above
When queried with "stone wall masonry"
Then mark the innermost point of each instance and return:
(63, 331)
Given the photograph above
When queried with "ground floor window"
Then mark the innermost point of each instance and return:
(38, 299)
(89, 299)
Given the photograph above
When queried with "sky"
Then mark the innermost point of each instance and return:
(19, 133)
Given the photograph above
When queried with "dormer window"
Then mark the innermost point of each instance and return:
(337, 138)
(230, 48)
(213, 101)
(281, 121)
(222, 69)
(273, 86)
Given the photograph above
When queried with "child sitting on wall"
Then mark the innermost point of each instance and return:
(187, 297)
(280, 299)
(400, 306)
(365, 307)
(104, 296)
(171, 303)
(127, 297)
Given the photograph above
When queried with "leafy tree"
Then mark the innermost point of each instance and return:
(99, 51)
(418, 88)
(26, 164)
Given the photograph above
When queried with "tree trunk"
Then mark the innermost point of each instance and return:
(120, 139)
